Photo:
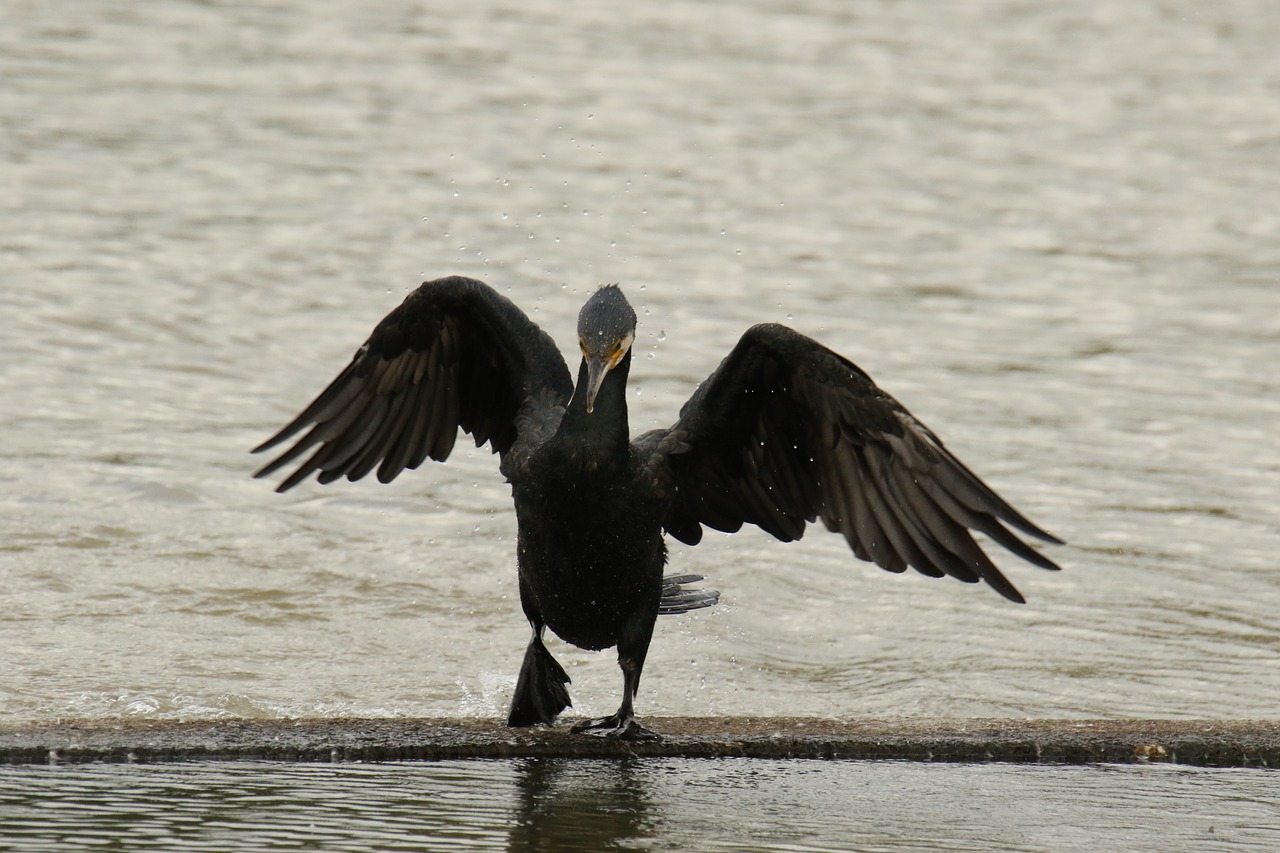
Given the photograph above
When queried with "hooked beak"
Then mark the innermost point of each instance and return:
(598, 367)
(597, 370)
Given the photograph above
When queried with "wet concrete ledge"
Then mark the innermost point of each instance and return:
(1231, 743)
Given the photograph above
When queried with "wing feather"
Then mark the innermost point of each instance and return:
(405, 443)
(786, 432)
(455, 354)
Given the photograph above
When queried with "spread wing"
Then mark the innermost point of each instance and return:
(454, 354)
(785, 432)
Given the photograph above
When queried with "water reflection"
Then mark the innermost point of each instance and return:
(717, 806)
(579, 805)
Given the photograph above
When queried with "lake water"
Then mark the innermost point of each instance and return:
(1051, 230)
(553, 805)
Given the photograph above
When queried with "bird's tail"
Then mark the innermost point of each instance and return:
(677, 599)
(540, 691)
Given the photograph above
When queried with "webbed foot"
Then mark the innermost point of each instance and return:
(541, 691)
(618, 726)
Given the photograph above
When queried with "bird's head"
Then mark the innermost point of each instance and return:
(606, 330)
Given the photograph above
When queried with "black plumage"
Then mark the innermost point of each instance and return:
(783, 433)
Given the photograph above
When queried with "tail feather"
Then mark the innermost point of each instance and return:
(677, 599)
(540, 691)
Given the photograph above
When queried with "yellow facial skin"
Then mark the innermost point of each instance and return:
(598, 367)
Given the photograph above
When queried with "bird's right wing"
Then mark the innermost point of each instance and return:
(454, 354)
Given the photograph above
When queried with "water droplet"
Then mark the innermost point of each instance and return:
(662, 335)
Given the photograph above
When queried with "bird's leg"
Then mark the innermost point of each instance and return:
(624, 725)
(540, 691)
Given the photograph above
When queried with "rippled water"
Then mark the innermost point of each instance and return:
(541, 804)
(1049, 229)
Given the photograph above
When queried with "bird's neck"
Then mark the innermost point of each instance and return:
(605, 427)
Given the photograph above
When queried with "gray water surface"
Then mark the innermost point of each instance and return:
(1051, 230)
(553, 805)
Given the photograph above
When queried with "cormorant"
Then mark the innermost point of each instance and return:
(783, 433)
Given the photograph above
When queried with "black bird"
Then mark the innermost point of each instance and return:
(783, 433)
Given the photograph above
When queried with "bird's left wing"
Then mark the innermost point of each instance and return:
(454, 354)
(785, 432)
